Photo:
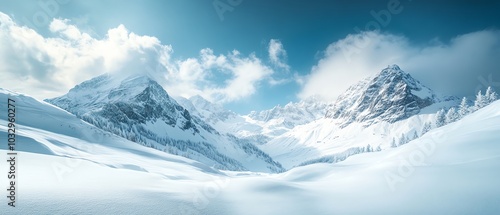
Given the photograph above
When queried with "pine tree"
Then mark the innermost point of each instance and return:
(440, 118)
(427, 127)
(480, 101)
(415, 135)
(393, 144)
(487, 93)
(403, 140)
(490, 95)
(451, 115)
(493, 97)
(369, 148)
(378, 149)
(463, 109)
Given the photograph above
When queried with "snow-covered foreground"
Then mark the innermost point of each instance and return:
(67, 166)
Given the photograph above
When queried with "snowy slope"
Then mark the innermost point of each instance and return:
(67, 166)
(139, 109)
(45, 129)
(449, 170)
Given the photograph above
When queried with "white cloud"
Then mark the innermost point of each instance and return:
(277, 54)
(49, 66)
(247, 72)
(192, 76)
(46, 67)
(453, 67)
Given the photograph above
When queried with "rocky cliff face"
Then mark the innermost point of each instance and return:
(135, 100)
(390, 95)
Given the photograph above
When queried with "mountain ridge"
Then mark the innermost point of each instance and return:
(390, 95)
(139, 109)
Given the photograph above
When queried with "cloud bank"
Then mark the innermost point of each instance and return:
(457, 67)
(201, 76)
(49, 66)
(46, 67)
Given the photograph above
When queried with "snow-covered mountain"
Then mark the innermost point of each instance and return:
(224, 121)
(390, 108)
(259, 127)
(281, 119)
(293, 113)
(208, 111)
(134, 100)
(49, 130)
(138, 108)
(390, 95)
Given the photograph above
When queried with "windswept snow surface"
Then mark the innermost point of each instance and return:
(67, 166)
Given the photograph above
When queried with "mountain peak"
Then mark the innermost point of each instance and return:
(391, 70)
(393, 67)
(110, 88)
(130, 100)
(390, 95)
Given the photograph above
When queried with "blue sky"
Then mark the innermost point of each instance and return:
(309, 32)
